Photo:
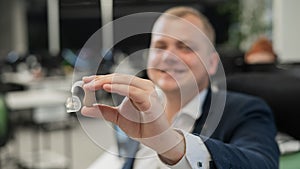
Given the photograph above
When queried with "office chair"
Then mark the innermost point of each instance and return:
(5, 130)
(4, 124)
(281, 91)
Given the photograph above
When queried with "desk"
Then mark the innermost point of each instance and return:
(46, 98)
(25, 79)
(35, 98)
(48, 107)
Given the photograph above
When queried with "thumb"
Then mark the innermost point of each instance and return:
(108, 113)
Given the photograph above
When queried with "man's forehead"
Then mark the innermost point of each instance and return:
(182, 39)
(180, 28)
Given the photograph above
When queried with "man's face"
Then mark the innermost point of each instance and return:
(179, 54)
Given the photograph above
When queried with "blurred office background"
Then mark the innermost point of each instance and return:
(40, 41)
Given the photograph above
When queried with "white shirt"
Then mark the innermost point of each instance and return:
(196, 155)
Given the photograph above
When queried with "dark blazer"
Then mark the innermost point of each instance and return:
(244, 137)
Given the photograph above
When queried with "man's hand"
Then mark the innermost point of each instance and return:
(141, 115)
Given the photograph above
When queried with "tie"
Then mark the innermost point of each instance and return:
(130, 160)
(129, 163)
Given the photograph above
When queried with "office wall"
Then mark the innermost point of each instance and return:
(286, 26)
(13, 30)
(5, 30)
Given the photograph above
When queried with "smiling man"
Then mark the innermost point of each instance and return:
(170, 124)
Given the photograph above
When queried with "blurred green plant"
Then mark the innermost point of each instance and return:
(249, 19)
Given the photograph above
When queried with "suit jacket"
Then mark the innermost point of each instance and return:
(244, 137)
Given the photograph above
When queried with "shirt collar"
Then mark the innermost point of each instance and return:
(194, 107)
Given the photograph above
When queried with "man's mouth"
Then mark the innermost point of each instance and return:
(173, 71)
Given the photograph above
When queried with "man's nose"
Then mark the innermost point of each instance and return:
(170, 58)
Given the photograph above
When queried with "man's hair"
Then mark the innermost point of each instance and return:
(182, 11)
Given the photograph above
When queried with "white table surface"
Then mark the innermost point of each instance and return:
(35, 98)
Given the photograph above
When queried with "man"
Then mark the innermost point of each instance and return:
(261, 52)
(180, 63)
(261, 57)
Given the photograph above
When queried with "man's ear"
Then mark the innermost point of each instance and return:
(213, 63)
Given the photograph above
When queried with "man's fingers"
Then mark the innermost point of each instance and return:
(98, 81)
(87, 79)
(139, 102)
(138, 96)
(101, 111)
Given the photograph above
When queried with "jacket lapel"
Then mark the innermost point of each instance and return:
(199, 123)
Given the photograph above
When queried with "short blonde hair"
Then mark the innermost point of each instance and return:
(182, 11)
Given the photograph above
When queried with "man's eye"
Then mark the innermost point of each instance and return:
(185, 48)
(160, 46)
